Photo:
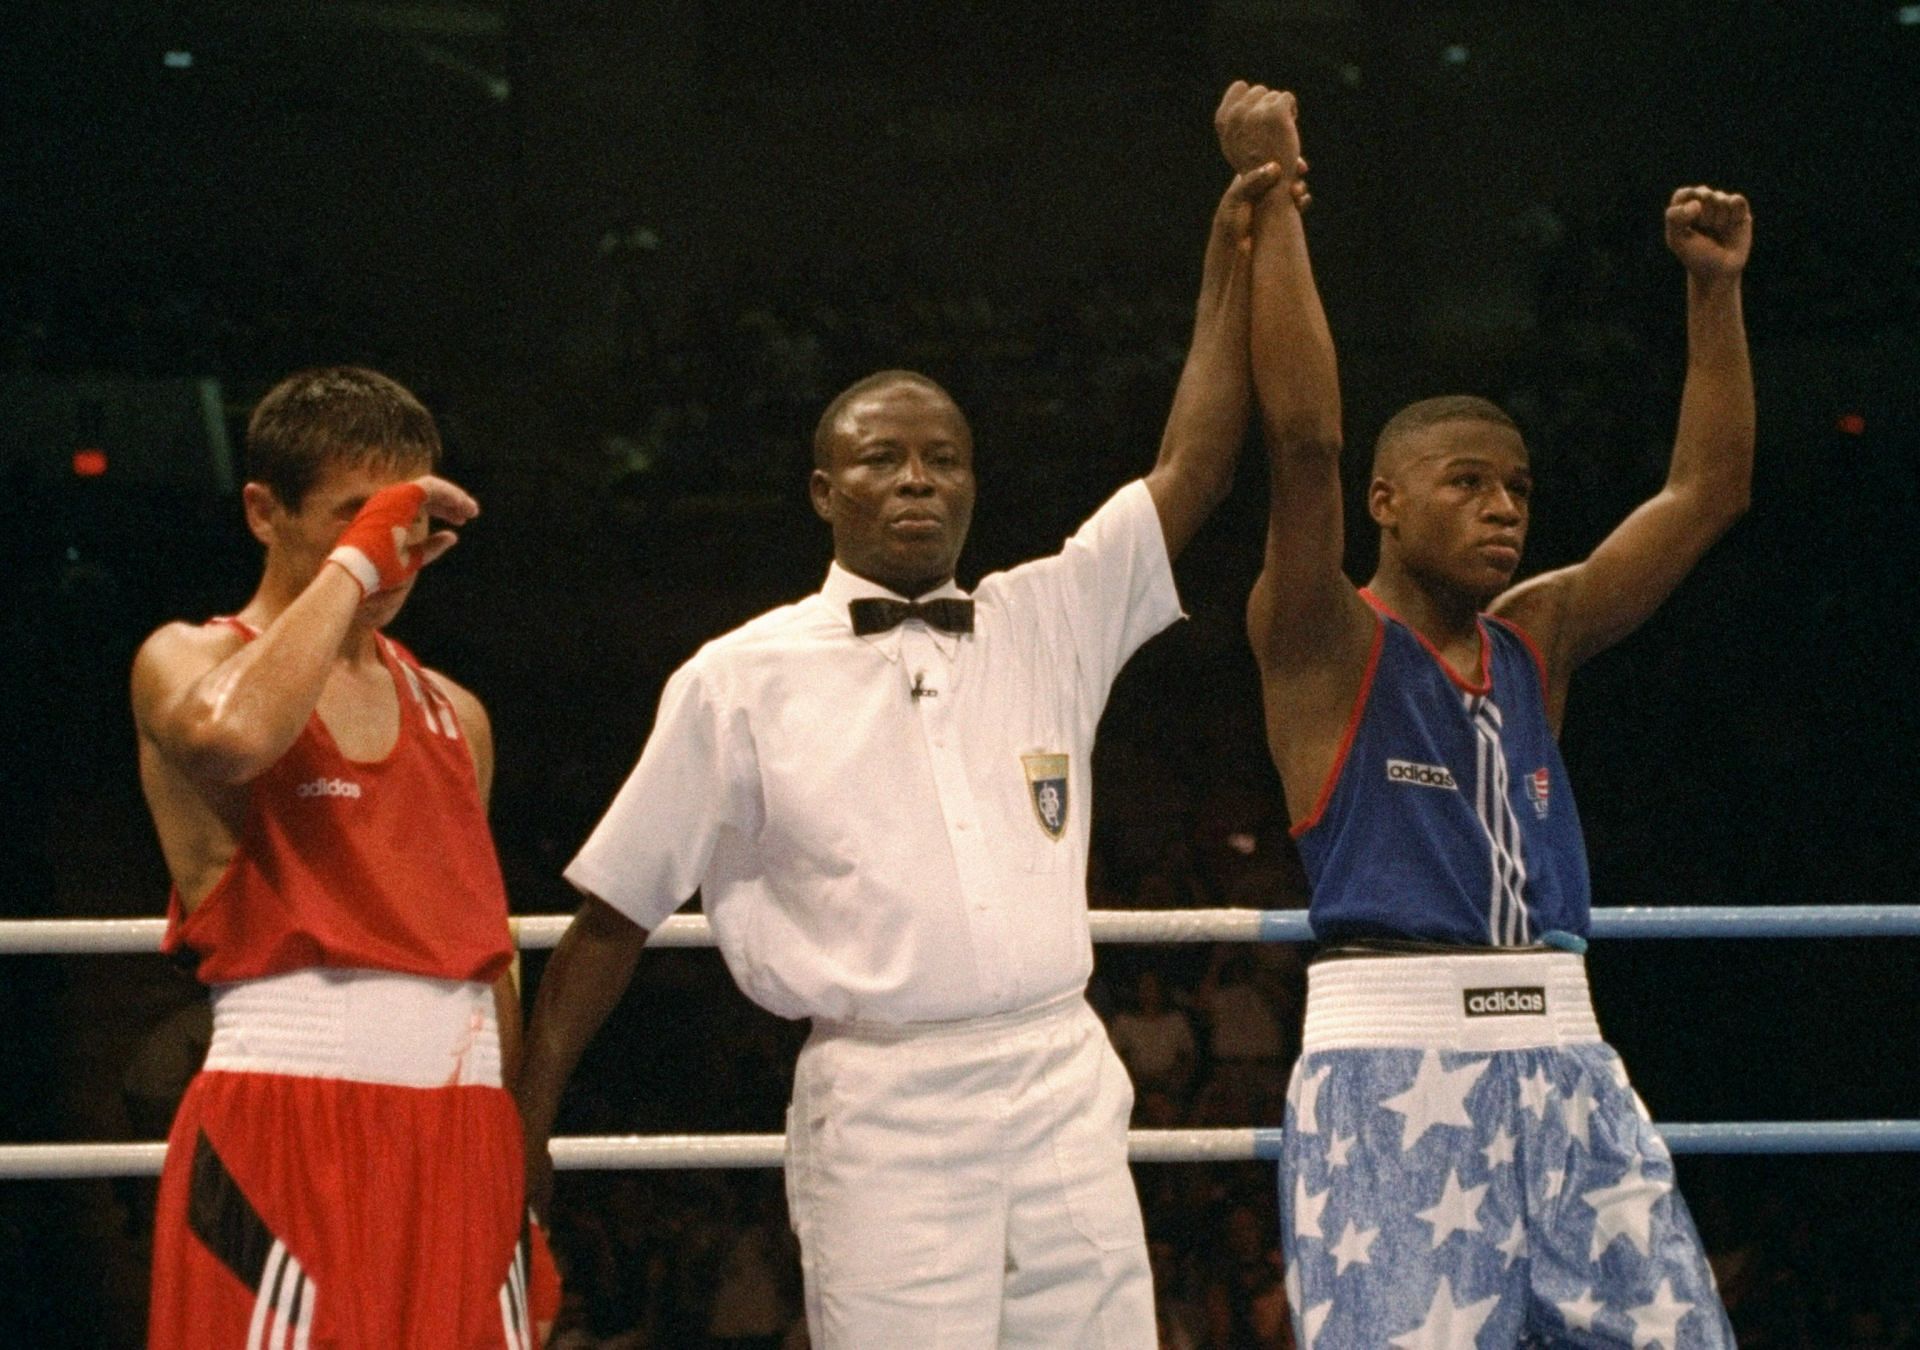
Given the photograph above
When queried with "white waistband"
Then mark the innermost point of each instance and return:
(995, 1024)
(1473, 1002)
(370, 1026)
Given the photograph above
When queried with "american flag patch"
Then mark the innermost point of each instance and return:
(1537, 792)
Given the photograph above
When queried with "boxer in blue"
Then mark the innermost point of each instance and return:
(1465, 1164)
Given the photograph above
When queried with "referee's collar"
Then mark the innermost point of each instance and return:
(842, 588)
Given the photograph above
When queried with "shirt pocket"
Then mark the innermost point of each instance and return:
(1040, 801)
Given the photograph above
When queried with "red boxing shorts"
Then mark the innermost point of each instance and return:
(303, 1206)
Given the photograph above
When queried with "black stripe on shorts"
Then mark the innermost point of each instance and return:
(221, 1216)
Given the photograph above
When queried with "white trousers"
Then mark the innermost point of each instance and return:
(960, 1186)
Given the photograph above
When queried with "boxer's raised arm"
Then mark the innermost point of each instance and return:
(1303, 611)
(1578, 611)
(223, 709)
(1208, 421)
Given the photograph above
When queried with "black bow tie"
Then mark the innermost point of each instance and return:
(877, 615)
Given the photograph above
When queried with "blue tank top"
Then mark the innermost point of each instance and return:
(1447, 815)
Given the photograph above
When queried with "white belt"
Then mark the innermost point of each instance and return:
(1473, 1002)
(369, 1026)
(992, 1026)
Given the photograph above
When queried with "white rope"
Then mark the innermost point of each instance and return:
(533, 932)
(536, 932)
(46, 1162)
(628, 1152)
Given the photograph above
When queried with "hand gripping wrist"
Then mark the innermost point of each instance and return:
(373, 549)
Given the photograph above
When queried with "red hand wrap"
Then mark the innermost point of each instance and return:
(373, 549)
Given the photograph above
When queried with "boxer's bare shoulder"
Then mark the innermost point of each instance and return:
(172, 659)
(197, 817)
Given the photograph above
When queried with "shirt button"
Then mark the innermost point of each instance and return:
(963, 825)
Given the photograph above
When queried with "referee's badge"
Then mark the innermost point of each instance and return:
(1047, 785)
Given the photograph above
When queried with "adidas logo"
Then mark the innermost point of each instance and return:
(1529, 1000)
(1420, 775)
(328, 787)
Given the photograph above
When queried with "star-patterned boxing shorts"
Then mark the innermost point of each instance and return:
(1465, 1164)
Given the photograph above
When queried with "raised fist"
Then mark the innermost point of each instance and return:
(1257, 125)
(1709, 232)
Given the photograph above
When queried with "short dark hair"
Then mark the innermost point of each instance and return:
(823, 430)
(1429, 412)
(334, 415)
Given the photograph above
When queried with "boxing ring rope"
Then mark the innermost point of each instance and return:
(624, 1152)
(665, 1152)
(535, 932)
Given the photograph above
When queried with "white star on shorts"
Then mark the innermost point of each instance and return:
(1581, 1311)
(1514, 1245)
(1306, 1111)
(1307, 1208)
(1353, 1247)
(1456, 1211)
(1449, 1325)
(1438, 1097)
(1536, 1089)
(1579, 1111)
(1625, 1209)
(1312, 1319)
(1500, 1150)
(1337, 1150)
(1657, 1323)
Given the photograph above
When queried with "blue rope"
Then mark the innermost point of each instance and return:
(1786, 921)
(1795, 1136)
(1695, 921)
(1758, 1136)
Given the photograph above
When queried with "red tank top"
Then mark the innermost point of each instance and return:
(381, 865)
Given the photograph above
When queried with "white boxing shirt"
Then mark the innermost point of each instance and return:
(893, 828)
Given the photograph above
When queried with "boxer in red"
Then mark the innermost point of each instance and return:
(346, 1169)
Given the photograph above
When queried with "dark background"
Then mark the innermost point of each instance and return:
(627, 251)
